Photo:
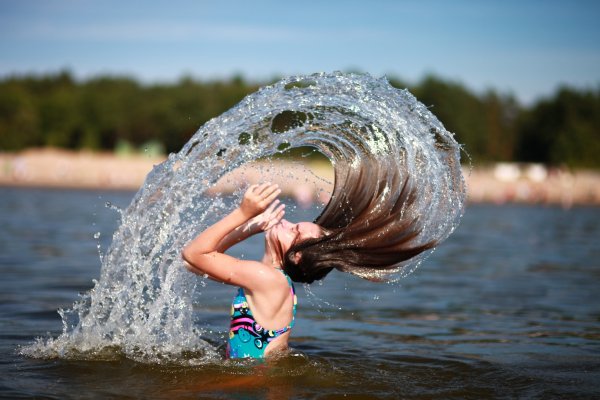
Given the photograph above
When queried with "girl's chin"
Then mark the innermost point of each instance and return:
(275, 228)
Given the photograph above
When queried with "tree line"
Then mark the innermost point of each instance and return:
(99, 113)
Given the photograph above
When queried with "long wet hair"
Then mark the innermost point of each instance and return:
(369, 228)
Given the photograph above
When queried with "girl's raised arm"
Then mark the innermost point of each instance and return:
(204, 254)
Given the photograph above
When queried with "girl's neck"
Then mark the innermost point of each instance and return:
(270, 258)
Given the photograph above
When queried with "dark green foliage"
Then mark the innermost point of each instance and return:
(563, 129)
(485, 124)
(99, 113)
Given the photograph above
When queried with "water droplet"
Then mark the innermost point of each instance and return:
(113, 207)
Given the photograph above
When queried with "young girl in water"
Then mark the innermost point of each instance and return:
(263, 311)
(366, 229)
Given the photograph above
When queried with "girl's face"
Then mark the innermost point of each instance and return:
(287, 233)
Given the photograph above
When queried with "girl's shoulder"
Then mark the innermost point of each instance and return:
(265, 278)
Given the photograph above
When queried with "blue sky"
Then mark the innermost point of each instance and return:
(524, 48)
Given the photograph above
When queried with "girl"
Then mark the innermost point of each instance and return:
(263, 310)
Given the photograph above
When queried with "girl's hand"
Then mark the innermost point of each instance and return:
(258, 198)
(269, 218)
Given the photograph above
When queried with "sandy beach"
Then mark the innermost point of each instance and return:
(500, 183)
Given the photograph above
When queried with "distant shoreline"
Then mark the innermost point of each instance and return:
(498, 184)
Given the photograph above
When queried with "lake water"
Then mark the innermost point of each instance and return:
(506, 308)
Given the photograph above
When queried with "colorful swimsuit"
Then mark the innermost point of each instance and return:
(246, 337)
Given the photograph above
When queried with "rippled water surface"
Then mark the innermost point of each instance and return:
(507, 307)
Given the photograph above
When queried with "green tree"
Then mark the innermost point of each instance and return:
(501, 115)
(459, 110)
(19, 119)
(562, 129)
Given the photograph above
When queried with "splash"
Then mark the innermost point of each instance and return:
(141, 306)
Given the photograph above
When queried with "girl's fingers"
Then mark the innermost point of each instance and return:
(278, 213)
(272, 206)
(261, 188)
(273, 214)
(269, 190)
(276, 216)
(272, 194)
(262, 197)
(273, 222)
(254, 189)
(269, 212)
